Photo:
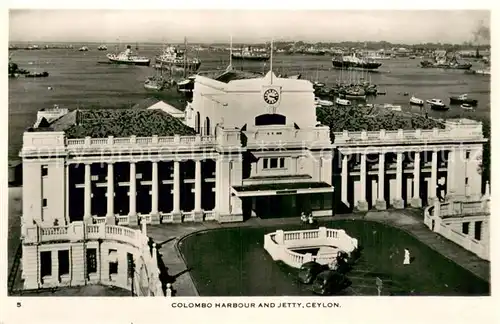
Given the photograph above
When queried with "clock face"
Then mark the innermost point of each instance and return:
(271, 96)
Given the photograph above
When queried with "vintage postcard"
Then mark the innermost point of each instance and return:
(270, 160)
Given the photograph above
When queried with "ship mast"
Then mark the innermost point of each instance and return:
(185, 57)
(230, 67)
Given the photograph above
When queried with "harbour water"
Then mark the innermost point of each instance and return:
(77, 80)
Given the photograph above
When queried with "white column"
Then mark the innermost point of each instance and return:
(450, 181)
(217, 184)
(111, 191)
(293, 165)
(66, 195)
(154, 188)
(177, 193)
(362, 204)
(197, 187)
(132, 190)
(398, 201)
(416, 200)
(345, 175)
(381, 181)
(433, 180)
(88, 194)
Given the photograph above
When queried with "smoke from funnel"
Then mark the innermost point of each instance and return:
(482, 33)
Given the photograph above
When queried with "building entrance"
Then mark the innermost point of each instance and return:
(279, 206)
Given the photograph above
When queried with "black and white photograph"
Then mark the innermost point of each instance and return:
(248, 153)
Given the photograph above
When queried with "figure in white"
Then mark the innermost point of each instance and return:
(311, 219)
(303, 217)
(407, 257)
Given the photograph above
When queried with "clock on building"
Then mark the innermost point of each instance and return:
(271, 96)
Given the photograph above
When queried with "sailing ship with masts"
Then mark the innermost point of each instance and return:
(174, 58)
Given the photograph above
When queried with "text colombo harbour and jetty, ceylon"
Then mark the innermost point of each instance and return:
(256, 305)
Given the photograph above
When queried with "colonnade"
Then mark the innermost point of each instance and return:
(110, 192)
(398, 202)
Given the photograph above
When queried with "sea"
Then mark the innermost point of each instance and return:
(77, 80)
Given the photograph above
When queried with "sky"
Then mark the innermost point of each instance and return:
(213, 26)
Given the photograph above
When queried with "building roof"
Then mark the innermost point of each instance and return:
(165, 107)
(146, 103)
(100, 123)
(231, 74)
(372, 119)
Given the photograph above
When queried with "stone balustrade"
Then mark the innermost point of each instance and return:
(404, 136)
(315, 136)
(55, 143)
(441, 217)
(78, 231)
(280, 244)
(154, 140)
(146, 276)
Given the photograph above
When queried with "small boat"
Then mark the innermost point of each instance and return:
(457, 100)
(392, 107)
(483, 72)
(317, 84)
(84, 49)
(437, 104)
(466, 106)
(153, 83)
(37, 75)
(102, 48)
(322, 103)
(355, 93)
(342, 102)
(416, 101)
(186, 86)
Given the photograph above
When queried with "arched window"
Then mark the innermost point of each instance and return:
(207, 126)
(197, 122)
(270, 119)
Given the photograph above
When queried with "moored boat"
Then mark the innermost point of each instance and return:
(392, 107)
(342, 102)
(249, 55)
(458, 100)
(444, 63)
(437, 104)
(83, 49)
(348, 62)
(127, 57)
(37, 74)
(483, 72)
(171, 57)
(102, 48)
(416, 101)
(322, 103)
(466, 106)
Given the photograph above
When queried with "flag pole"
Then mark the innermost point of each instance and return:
(271, 61)
(230, 67)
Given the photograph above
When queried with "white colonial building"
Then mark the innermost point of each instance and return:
(251, 148)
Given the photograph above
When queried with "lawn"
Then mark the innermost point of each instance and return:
(233, 262)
